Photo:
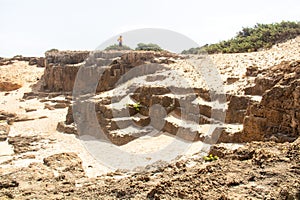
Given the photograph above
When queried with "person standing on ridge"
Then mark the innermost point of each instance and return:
(120, 40)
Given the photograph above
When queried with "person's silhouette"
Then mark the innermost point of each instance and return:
(120, 40)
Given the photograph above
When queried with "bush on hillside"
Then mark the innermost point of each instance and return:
(52, 51)
(117, 47)
(148, 47)
(252, 39)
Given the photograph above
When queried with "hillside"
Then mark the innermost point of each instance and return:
(251, 39)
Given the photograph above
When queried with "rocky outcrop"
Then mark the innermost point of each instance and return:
(62, 67)
(277, 116)
(261, 120)
(9, 85)
(155, 108)
(237, 108)
(175, 114)
(38, 61)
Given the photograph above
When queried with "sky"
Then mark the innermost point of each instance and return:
(31, 27)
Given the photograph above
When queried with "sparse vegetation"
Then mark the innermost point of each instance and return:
(137, 106)
(52, 50)
(148, 47)
(210, 158)
(117, 47)
(250, 39)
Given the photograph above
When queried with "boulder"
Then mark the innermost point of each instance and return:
(38, 61)
(66, 128)
(9, 85)
(68, 165)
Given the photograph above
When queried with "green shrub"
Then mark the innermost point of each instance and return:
(250, 39)
(137, 106)
(52, 51)
(210, 158)
(148, 47)
(117, 47)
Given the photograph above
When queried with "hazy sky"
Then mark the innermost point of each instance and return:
(30, 27)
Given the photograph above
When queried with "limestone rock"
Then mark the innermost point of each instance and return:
(237, 109)
(65, 57)
(68, 164)
(39, 61)
(4, 130)
(9, 85)
(65, 128)
(277, 117)
(23, 144)
(62, 67)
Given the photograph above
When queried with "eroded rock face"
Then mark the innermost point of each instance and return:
(22, 144)
(65, 57)
(62, 67)
(268, 78)
(4, 130)
(277, 116)
(6, 116)
(10, 85)
(261, 121)
(237, 109)
(159, 109)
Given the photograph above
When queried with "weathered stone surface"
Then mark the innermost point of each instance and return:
(121, 139)
(10, 85)
(67, 164)
(6, 116)
(277, 116)
(23, 144)
(59, 78)
(66, 128)
(62, 67)
(61, 105)
(252, 71)
(39, 61)
(100, 113)
(181, 132)
(271, 77)
(237, 109)
(261, 85)
(65, 57)
(222, 135)
(4, 130)
(231, 80)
